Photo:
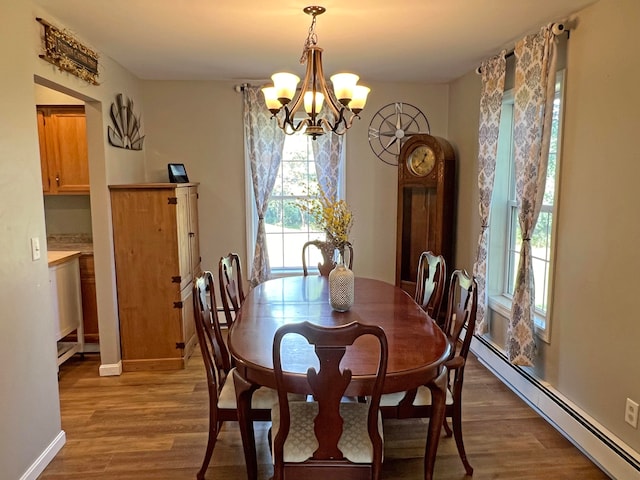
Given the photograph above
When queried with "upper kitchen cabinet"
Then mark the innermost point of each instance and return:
(63, 150)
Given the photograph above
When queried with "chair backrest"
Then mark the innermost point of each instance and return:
(231, 290)
(432, 273)
(462, 303)
(328, 386)
(215, 354)
(327, 250)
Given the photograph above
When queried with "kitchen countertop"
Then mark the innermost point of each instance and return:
(59, 257)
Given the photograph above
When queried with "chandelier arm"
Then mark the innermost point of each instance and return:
(298, 98)
(329, 98)
(287, 120)
(342, 121)
(282, 124)
(301, 123)
(329, 127)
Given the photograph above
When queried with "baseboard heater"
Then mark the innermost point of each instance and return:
(629, 465)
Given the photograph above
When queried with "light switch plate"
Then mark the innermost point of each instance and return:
(631, 413)
(35, 248)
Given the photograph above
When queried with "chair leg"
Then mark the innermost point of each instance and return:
(447, 428)
(211, 442)
(456, 420)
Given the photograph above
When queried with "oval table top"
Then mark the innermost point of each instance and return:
(417, 346)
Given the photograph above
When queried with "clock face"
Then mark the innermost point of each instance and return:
(421, 161)
(391, 126)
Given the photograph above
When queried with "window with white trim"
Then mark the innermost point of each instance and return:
(505, 238)
(287, 227)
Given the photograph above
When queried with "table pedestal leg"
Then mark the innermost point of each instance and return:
(244, 392)
(438, 387)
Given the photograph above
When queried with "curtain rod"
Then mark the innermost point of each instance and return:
(556, 28)
(241, 86)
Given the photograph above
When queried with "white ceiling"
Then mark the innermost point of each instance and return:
(427, 41)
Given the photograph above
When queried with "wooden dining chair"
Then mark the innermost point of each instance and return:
(432, 273)
(462, 302)
(231, 290)
(429, 292)
(327, 250)
(326, 438)
(222, 396)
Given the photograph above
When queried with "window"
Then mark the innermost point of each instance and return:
(505, 241)
(287, 228)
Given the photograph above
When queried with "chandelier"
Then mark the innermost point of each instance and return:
(345, 101)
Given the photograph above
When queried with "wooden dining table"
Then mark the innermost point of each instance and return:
(417, 346)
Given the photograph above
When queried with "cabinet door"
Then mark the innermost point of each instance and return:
(419, 231)
(69, 133)
(188, 321)
(44, 153)
(65, 284)
(89, 303)
(182, 224)
(146, 250)
(194, 232)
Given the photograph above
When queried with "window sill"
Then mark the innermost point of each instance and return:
(291, 272)
(501, 304)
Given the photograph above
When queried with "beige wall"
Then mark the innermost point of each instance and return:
(200, 124)
(29, 412)
(463, 134)
(592, 355)
(69, 214)
(29, 415)
(594, 316)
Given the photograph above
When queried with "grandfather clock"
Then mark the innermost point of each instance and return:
(426, 183)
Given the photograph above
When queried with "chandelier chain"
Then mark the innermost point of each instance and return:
(312, 40)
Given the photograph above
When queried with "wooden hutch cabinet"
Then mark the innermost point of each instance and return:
(64, 159)
(157, 256)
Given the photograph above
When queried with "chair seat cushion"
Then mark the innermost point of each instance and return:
(301, 441)
(423, 397)
(263, 398)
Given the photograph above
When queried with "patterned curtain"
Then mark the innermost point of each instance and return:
(533, 105)
(327, 151)
(493, 72)
(264, 141)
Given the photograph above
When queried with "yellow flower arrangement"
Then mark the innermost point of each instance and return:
(333, 216)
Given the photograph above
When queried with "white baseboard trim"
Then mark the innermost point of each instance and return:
(112, 369)
(45, 457)
(606, 450)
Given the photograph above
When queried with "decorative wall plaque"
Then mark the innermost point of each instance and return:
(68, 54)
(126, 126)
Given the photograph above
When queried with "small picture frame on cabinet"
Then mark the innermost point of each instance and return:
(177, 173)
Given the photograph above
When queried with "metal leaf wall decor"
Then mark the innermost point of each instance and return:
(126, 126)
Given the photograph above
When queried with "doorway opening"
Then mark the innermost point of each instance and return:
(64, 158)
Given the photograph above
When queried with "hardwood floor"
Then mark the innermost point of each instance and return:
(153, 426)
